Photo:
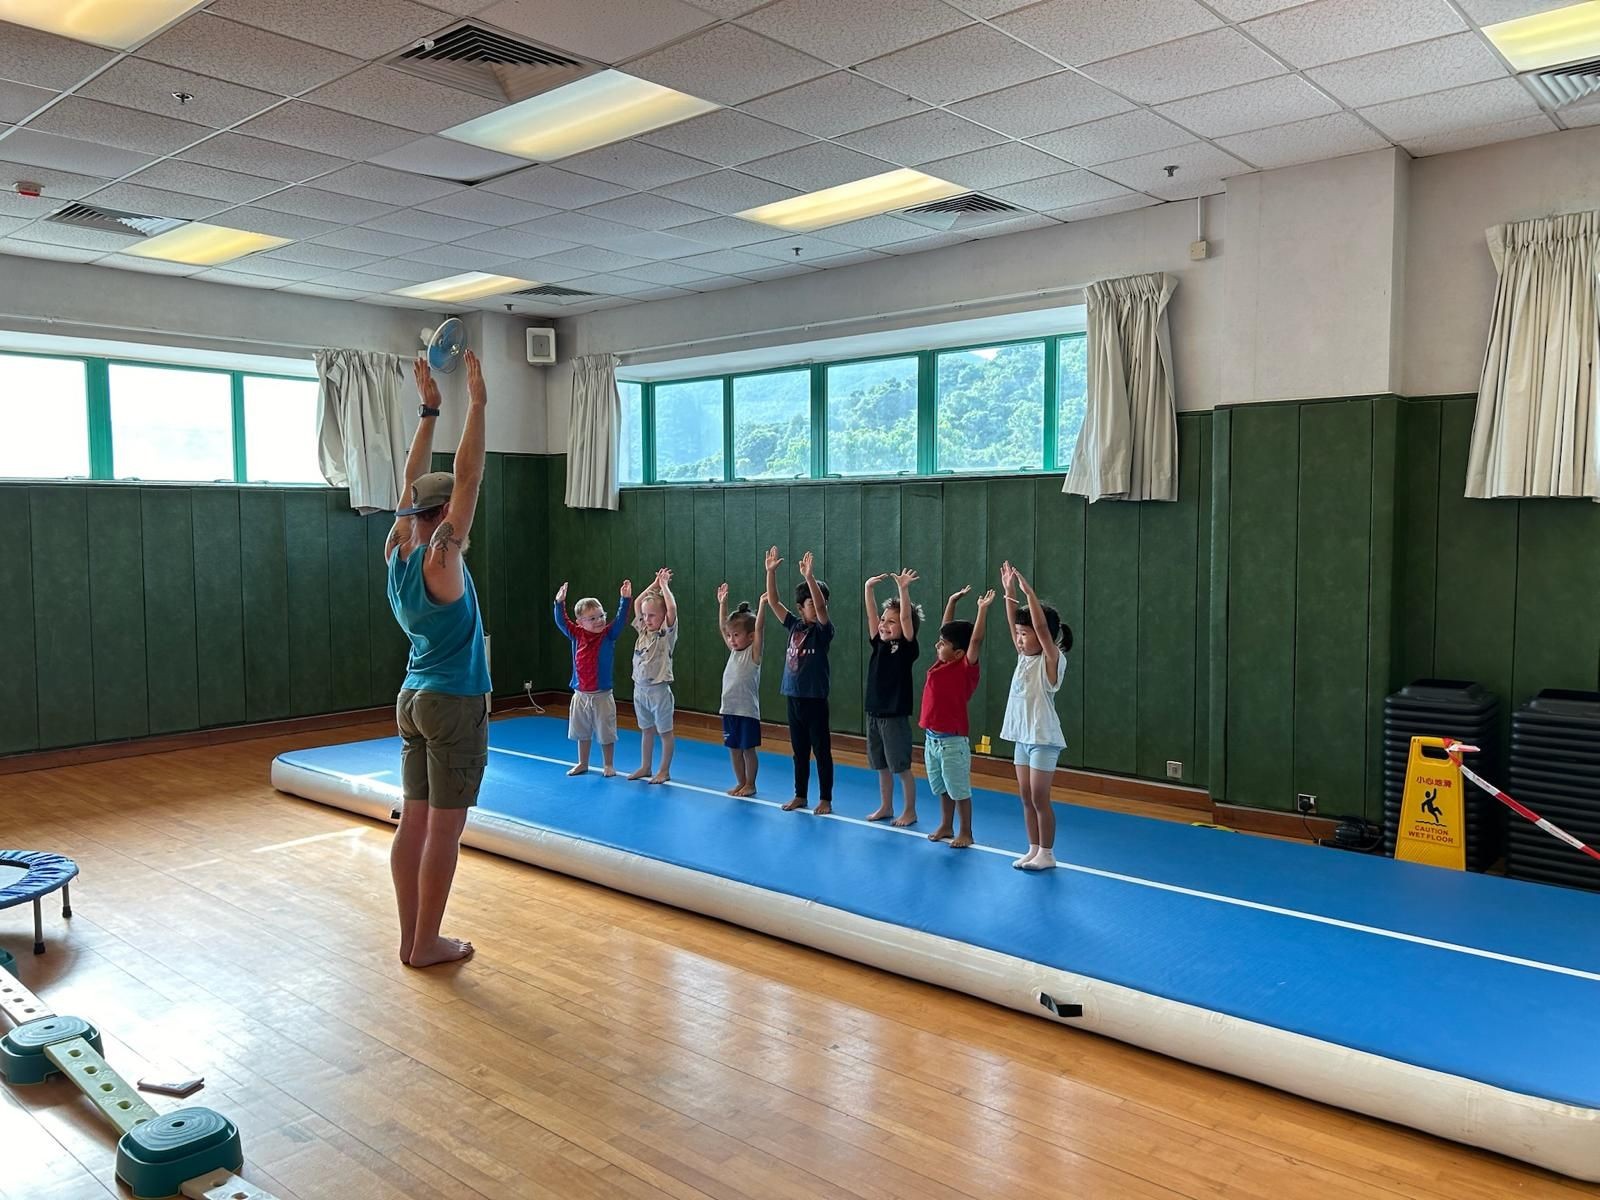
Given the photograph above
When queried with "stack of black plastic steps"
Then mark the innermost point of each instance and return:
(1445, 708)
(1555, 770)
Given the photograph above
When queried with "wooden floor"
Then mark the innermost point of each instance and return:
(598, 1046)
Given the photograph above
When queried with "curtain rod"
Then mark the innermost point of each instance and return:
(184, 334)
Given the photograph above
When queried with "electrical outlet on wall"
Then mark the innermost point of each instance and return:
(1174, 769)
(1305, 803)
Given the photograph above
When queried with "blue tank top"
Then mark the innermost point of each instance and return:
(446, 639)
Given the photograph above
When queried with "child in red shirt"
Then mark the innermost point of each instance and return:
(951, 681)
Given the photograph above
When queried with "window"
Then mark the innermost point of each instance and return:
(1072, 391)
(630, 460)
(872, 417)
(171, 423)
(689, 431)
(44, 407)
(991, 408)
(772, 425)
(280, 430)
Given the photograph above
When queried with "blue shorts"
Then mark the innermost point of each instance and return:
(1039, 757)
(741, 733)
(948, 758)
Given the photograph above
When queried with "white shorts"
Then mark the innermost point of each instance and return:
(653, 706)
(593, 716)
(1040, 757)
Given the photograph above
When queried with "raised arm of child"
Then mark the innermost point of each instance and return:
(773, 562)
(870, 602)
(663, 585)
(561, 612)
(755, 639)
(903, 581)
(975, 643)
(1008, 580)
(950, 605)
(818, 600)
(620, 621)
(722, 615)
(1052, 651)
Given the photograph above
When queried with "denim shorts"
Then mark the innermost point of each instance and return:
(1039, 757)
(948, 758)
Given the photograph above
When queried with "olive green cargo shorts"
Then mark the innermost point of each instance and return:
(446, 747)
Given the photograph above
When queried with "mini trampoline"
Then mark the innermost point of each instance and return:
(1456, 1003)
(31, 875)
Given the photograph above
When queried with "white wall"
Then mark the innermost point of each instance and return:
(1450, 279)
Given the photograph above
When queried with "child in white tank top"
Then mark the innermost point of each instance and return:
(1031, 720)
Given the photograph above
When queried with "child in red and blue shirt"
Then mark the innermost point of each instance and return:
(593, 716)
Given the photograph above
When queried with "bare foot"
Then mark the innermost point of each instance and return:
(736, 790)
(748, 789)
(661, 777)
(609, 772)
(942, 834)
(962, 842)
(823, 809)
(882, 814)
(580, 769)
(445, 950)
(908, 818)
(797, 802)
(640, 773)
(405, 954)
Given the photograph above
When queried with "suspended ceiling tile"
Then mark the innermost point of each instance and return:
(647, 211)
(398, 98)
(109, 124)
(1122, 136)
(412, 222)
(250, 57)
(1084, 31)
(846, 32)
(577, 229)
(780, 271)
(727, 262)
(194, 179)
(458, 256)
(634, 165)
(1201, 169)
(325, 131)
(356, 281)
(447, 159)
(728, 65)
(1305, 141)
(1244, 10)
(725, 232)
(372, 241)
(45, 60)
(873, 231)
(728, 8)
(1475, 105)
(1275, 101)
(57, 184)
(1413, 70)
(995, 167)
(487, 208)
(149, 266)
(612, 285)
(554, 187)
(933, 241)
(394, 188)
(913, 140)
(513, 243)
(1489, 12)
(959, 65)
(594, 258)
(729, 191)
(851, 259)
(325, 206)
(1329, 30)
(275, 268)
(1059, 191)
(1053, 102)
(155, 202)
(252, 156)
(1584, 114)
(78, 237)
(149, 87)
(725, 137)
(240, 279)
(275, 224)
(327, 257)
(403, 270)
(654, 244)
(363, 28)
(606, 31)
(811, 247)
(49, 250)
(541, 271)
(839, 103)
(810, 168)
(1484, 135)
(1206, 62)
(664, 293)
(18, 101)
(1105, 208)
(667, 273)
(324, 291)
(70, 154)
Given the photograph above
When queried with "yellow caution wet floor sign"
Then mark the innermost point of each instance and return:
(1433, 828)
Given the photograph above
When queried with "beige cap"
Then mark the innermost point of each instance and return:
(431, 491)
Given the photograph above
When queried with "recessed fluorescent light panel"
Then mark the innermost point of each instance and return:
(1545, 39)
(468, 286)
(852, 201)
(120, 24)
(205, 245)
(594, 111)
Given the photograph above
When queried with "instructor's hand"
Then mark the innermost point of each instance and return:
(427, 387)
(476, 392)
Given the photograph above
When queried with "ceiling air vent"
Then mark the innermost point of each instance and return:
(554, 292)
(960, 212)
(110, 220)
(1562, 87)
(490, 63)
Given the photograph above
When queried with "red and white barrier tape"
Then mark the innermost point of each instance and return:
(1456, 749)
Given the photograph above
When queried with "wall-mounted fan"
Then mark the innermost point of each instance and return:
(446, 345)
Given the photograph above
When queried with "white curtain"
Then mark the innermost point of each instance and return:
(363, 429)
(1128, 447)
(1535, 430)
(593, 432)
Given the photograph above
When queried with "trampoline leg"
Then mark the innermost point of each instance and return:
(38, 928)
(66, 900)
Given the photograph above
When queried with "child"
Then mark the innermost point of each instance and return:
(656, 619)
(594, 708)
(741, 689)
(893, 636)
(805, 680)
(1031, 721)
(951, 681)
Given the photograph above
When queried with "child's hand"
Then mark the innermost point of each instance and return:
(722, 593)
(627, 589)
(954, 596)
(906, 577)
(561, 594)
(773, 561)
(877, 579)
(1021, 582)
(806, 562)
(1007, 574)
(761, 603)
(986, 599)
(663, 577)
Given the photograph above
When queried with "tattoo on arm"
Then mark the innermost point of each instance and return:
(444, 538)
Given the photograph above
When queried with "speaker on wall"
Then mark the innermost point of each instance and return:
(541, 345)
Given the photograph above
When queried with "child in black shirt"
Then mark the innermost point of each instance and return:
(893, 633)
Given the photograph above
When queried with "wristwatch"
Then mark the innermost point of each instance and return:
(424, 410)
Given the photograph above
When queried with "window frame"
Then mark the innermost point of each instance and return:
(927, 420)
